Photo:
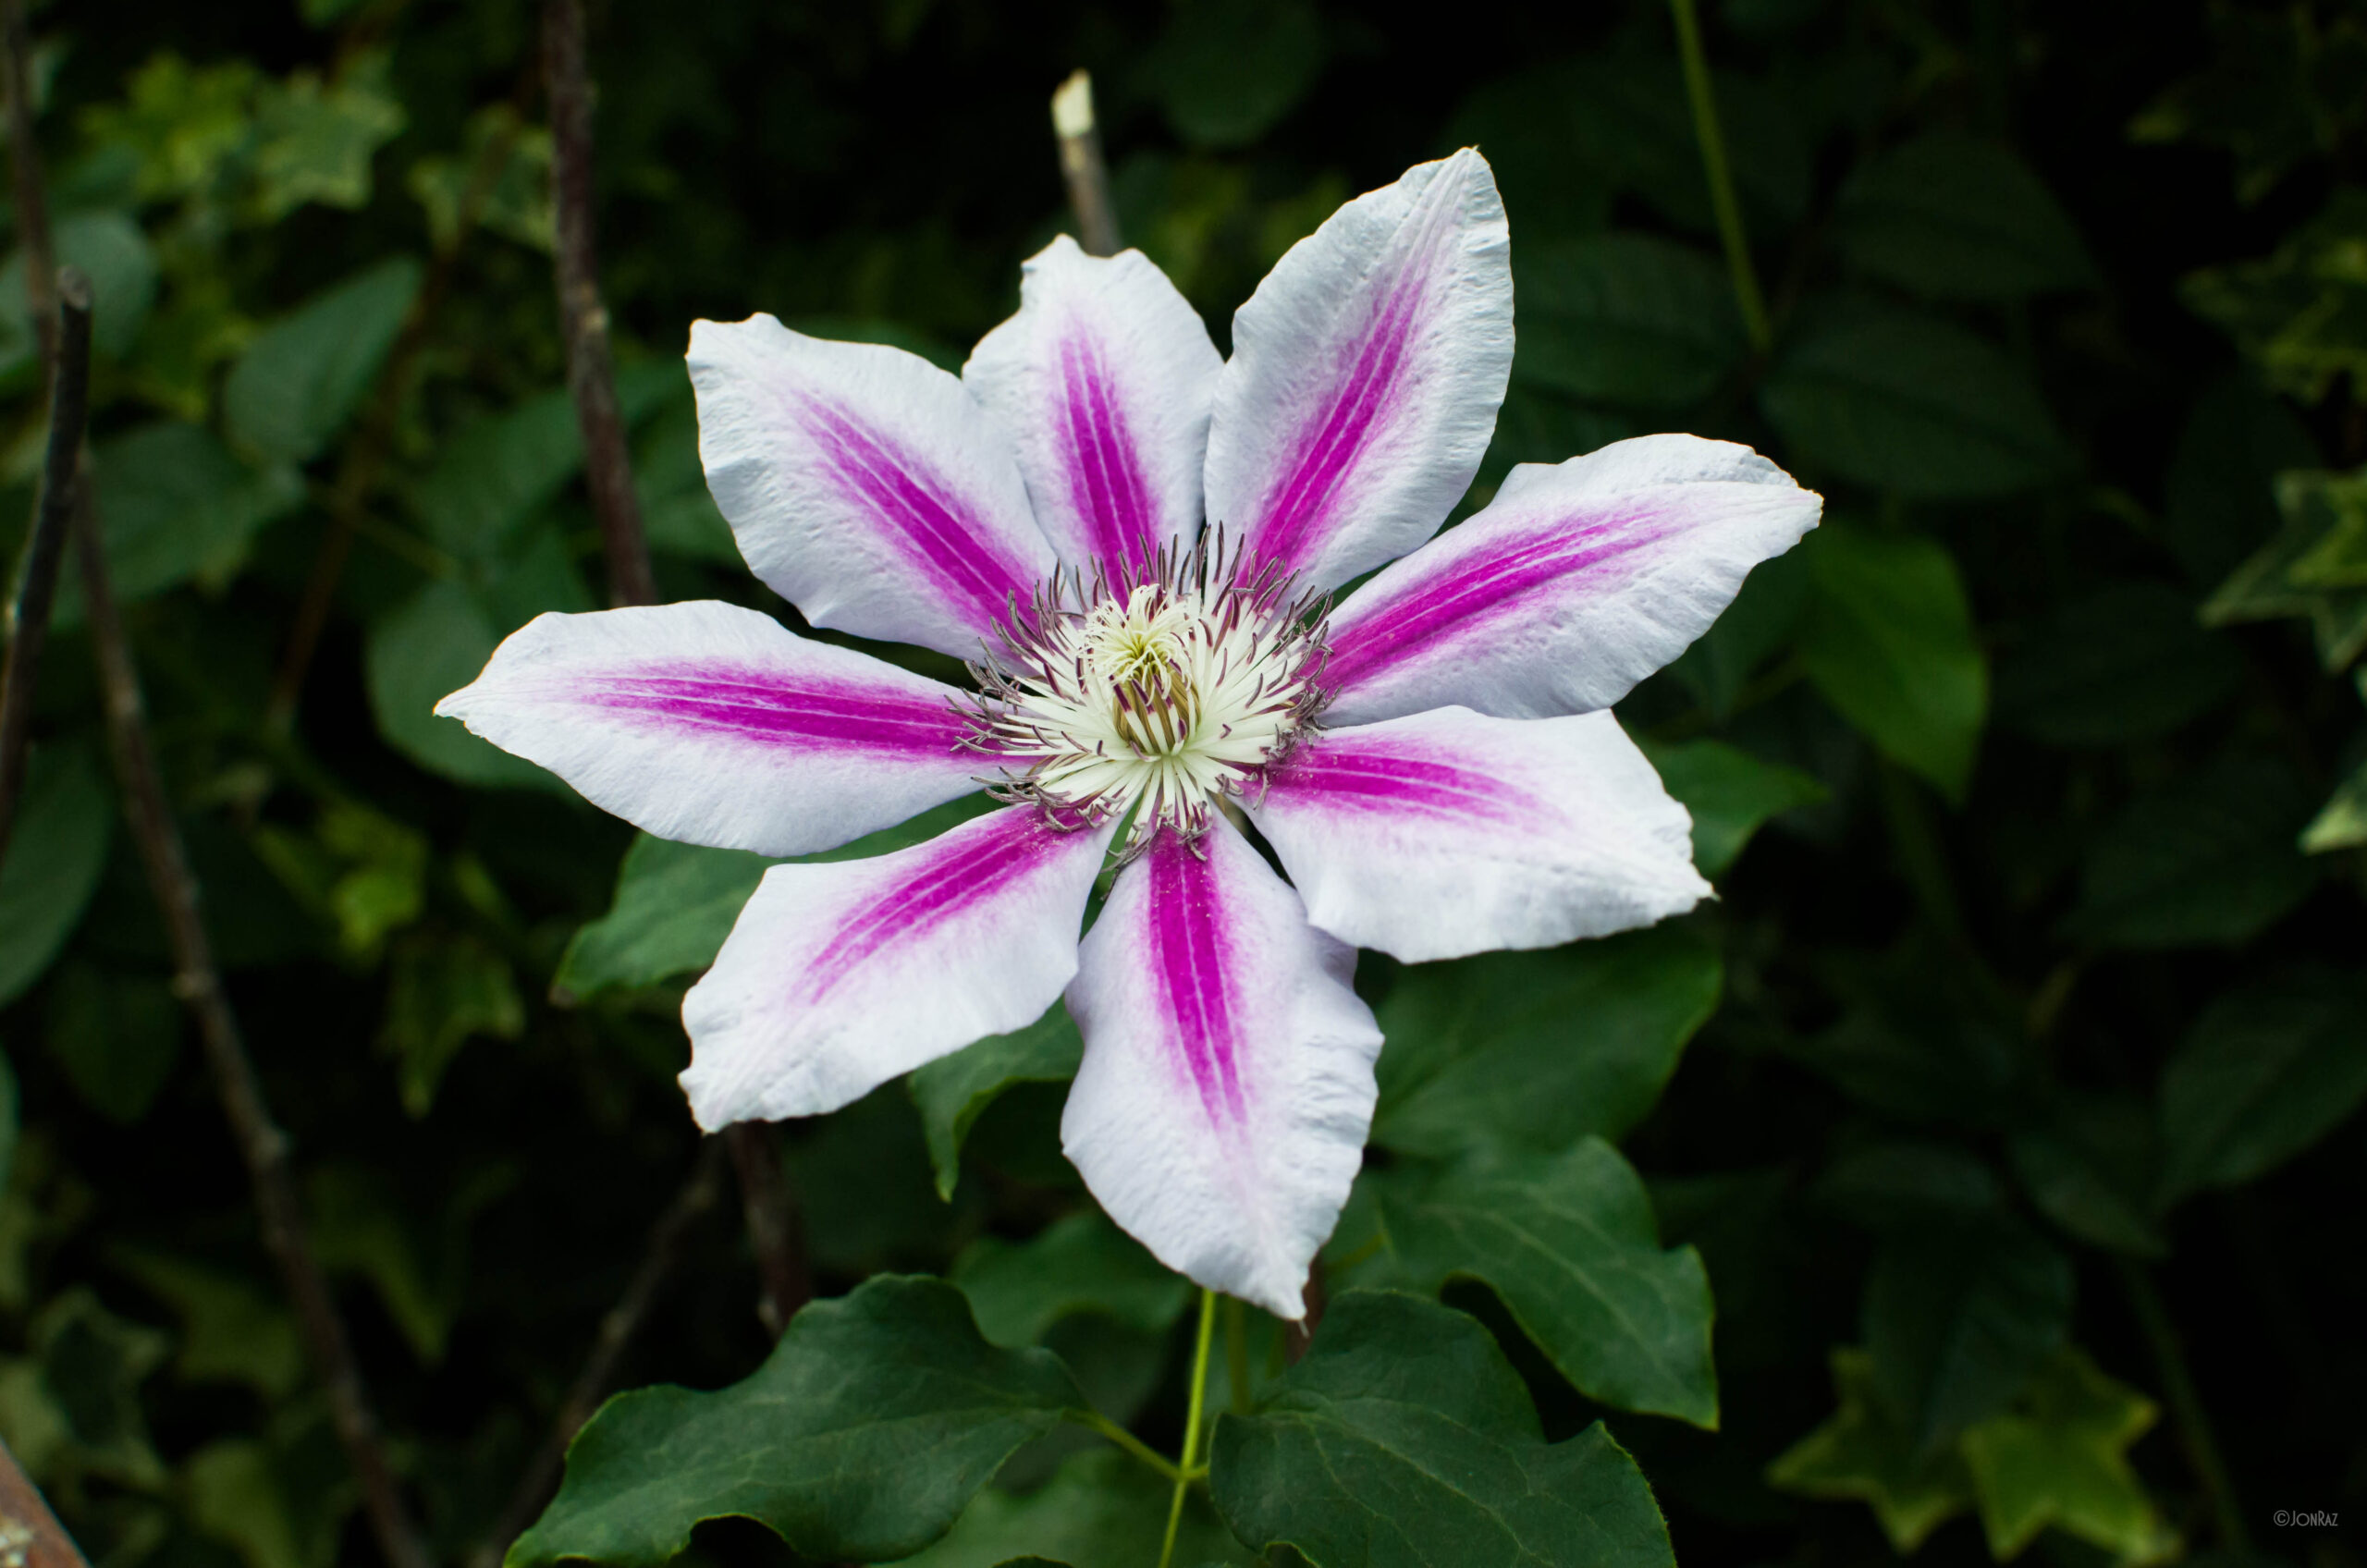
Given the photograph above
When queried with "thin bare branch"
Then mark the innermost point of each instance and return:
(773, 1230)
(591, 374)
(69, 407)
(261, 1144)
(1082, 166)
(31, 1536)
(617, 1331)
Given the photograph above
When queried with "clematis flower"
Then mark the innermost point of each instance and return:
(1130, 541)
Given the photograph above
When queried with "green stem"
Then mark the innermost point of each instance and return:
(1747, 298)
(1236, 1353)
(2186, 1407)
(1183, 1472)
(1124, 1439)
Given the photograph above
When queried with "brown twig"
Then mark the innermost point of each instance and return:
(69, 409)
(617, 1331)
(608, 469)
(365, 458)
(31, 1536)
(261, 1143)
(1082, 166)
(591, 374)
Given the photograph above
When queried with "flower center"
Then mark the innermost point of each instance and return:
(1155, 694)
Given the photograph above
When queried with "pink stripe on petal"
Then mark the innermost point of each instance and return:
(841, 975)
(1106, 485)
(1188, 941)
(927, 517)
(762, 706)
(1402, 781)
(1575, 582)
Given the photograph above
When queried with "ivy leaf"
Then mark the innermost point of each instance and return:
(1861, 1453)
(1625, 319)
(2059, 1458)
(2211, 858)
(314, 138)
(873, 1421)
(116, 1035)
(1568, 1242)
(1888, 640)
(1729, 793)
(55, 854)
(1957, 1319)
(232, 1330)
(2299, 571)
(1534, 1050)
(73, 1405)
(516, 202)
(953, 1091)
(2126, 664)
(1099, 1507)
(364, 1223)
(1912, 404)
(443, 992)
(1405, 1438)
(2269, 1069)
(2341, 822)
(1080, 1263)
(303, 375)
(1950, 216)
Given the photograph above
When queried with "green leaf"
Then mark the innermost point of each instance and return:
(1627, 319)
(1888, 640)
(2325, 521)
(1957, 1319)
(443, 992)
(314, 138)
(675, 903)
(232, 1330)
(116, 256)
(2300, 316)
(2209, 857)
(514, 163)
(1729, 793)
(1861, 1453)
(1630, 122)
(1901, 1185)
(1762, 619)
(116, 1035)
(364, 1223)
(55, 854)
(953, 1091)
(1405, 1438)
(1950, 216)
(1534, 1050)
(176, 506)
(677, 509)
(302, 378)
(2060, 1458)
(280, 1501)
(2091, 1166)
(1100, 1507)
(873, 1422)
(2269, 1070)
(1227, 70)
(1567, 1241)
(72, 1408)
(2221, 500)
(2129, 663)
(1912, 404)
(1081, 1263)
(2341, 822)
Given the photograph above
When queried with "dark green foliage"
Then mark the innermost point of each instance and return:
(2034, 785)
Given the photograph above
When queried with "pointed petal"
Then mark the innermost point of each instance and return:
(718, 724)
(1576, 582)
(864, 484)
(1102, 385)
(1221, 1113)
(838, 977)
(1450, 833)
(1366, 374)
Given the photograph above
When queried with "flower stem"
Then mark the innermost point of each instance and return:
(2186, 1407)
(1184, 1472)
(1095, 1421)
(1747, 298)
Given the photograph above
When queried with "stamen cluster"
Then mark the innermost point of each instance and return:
(1155, 691)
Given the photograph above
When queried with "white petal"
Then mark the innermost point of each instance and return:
(1221, 1113)
(718, 724)
(1102, 385)
(1366, 374)
(838, 977)
(864, 484)
(1450, 833)
(1576, 582)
